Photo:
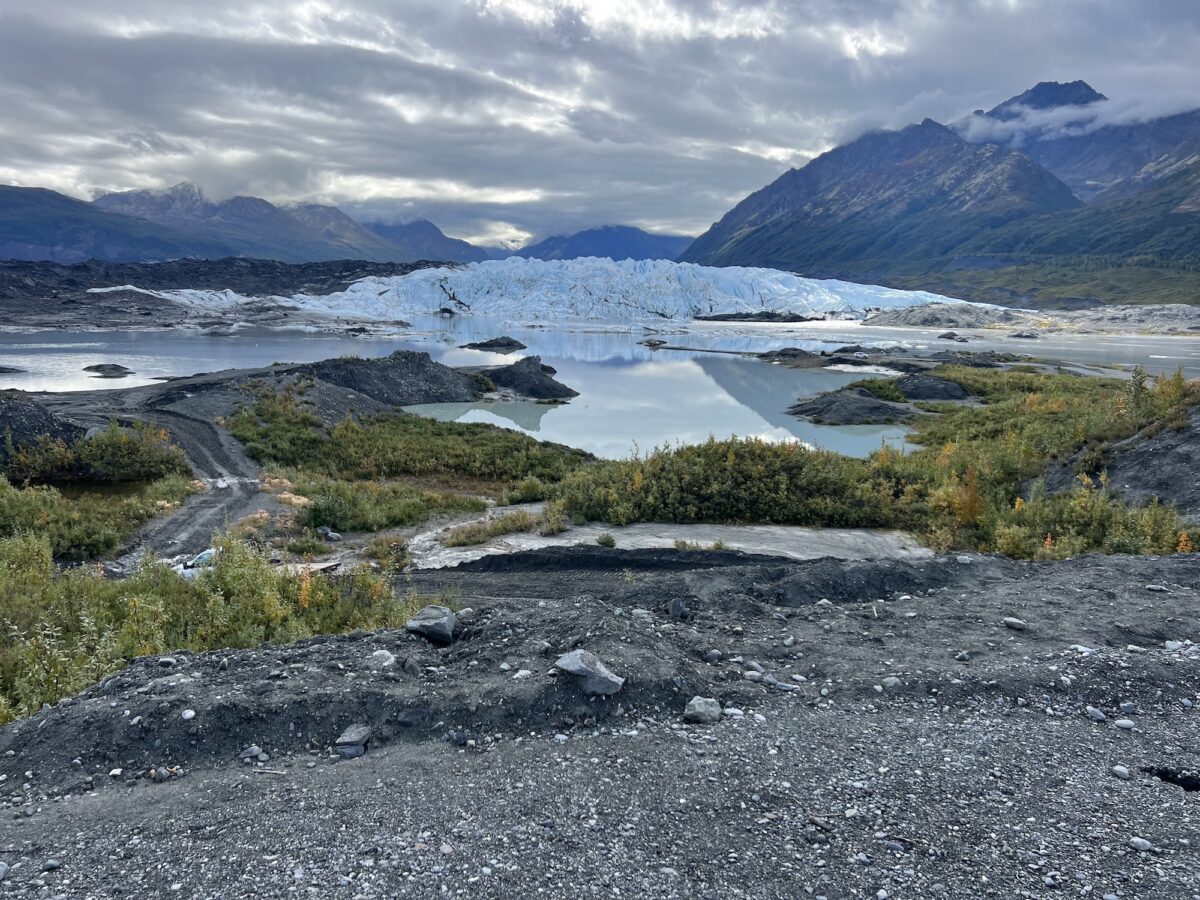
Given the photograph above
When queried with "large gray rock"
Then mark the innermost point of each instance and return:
(352, 743)
(702, 710)
(853, 406)
(929, 387)
(530, 378)
(596, 677)
(435, 623)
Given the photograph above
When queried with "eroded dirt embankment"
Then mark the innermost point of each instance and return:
(904, 727)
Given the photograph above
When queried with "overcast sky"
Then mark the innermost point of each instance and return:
(504, 119)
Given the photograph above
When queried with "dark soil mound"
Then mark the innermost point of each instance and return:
(850, 407)
(929, 387)
(1159, 462)
(795, 357)
(530, 378)
(504, 344)
(401, 379)
(25, 421)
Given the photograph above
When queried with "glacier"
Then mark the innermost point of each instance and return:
(590, 288)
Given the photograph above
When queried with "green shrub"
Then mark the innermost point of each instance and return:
(64, 629)
(606, 540)
(482, 531)
(89, 522)
(390, 553)
(553, 519)
(735, 480)
(309, 543)
(374, 506)
(115, 455)
(883, 388)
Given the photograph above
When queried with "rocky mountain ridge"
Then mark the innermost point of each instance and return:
(612, 241)
(1054, 197)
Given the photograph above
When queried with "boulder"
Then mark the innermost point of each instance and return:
(352, 743)
(702, 710)
(530, 378)
(434, 623)
(586, 666)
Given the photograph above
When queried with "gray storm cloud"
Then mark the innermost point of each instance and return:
(505, 119)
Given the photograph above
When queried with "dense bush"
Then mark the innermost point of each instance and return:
(116, 455)
(734, 480)
(373, 506)
(62, 630)
(961, 489)
(89, 522)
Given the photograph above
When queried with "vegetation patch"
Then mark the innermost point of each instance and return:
(116, 455)
(64, 630)
(88, 522)
(395, 470)
(481, 532)
(883, 388)
(967, 487)
(374, 505)
(278, 430)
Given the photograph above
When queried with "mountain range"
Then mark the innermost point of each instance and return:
(612, 241)
(181, 222)
(1049, 199)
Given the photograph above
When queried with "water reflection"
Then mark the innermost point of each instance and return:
(631, 396)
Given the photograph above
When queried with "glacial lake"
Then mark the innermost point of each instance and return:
(631, 397)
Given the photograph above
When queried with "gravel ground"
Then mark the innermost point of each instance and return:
(929, 748)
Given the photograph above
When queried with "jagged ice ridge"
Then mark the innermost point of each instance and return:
(587, 288)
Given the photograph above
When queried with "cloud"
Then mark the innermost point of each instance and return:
(529, 117)
(1027, 125)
